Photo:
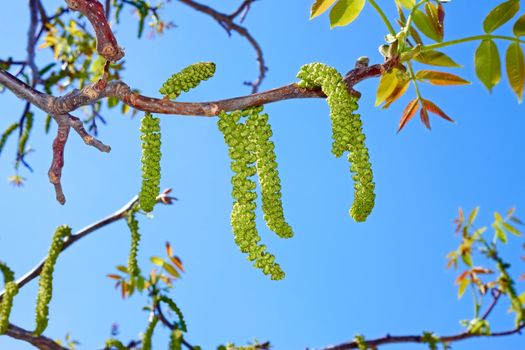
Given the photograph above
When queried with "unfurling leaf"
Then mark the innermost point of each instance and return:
(436, 19)
(320, 6)
(435, 58)
(500, 15)
(515, 63)
(408, 113)
(487, 64)
(440, 78)
(433, 108)
(345, 12)
(473, 215)
(462, 287)
(387, 85)
(401, 88)
(424, 117)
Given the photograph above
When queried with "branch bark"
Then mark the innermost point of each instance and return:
(41, 342)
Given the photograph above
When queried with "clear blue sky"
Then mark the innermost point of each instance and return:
(384, 276)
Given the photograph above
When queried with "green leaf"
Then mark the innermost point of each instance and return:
(319, 7)
(500, 234)
(425, 25)
(440, 78)
(500, 15)
(473, 215)
(515, 63)
(487, 64)
(171, 270)
(408, 4)
(511, 229)
(345, 12)
(157, 261)
(462, 287)
(387, 84)
(519, 26)
(433, 16)
(436, 58)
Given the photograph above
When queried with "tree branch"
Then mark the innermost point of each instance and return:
(40, 342)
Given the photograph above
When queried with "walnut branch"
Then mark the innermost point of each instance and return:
(40, 342)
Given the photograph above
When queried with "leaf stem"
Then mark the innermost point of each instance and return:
(383, 17)
(468, 39)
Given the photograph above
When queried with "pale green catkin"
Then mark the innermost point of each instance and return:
(45, 283)
(133, 224)
(268, 174)
(347, 132)
(5, 135)
(114, 343)
(151, 155)
(189, 78)
(10, 291)
(25, 134)
(148, 334)
(174, 307)
(242, 154)
(175, 340)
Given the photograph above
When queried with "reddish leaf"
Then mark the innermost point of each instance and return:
(177, 262)
(436, 110)
(400, 89)
(440, 78)
(424, 117)
(115, 277)
(169, 250)
(408, 113)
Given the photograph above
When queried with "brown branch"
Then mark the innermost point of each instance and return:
(389, 339)
(107, 45)
(228, 23)
(40, 342)
(163, 198)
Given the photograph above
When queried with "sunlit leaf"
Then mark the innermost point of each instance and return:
(387, 84)
(440, 78)
(169, 249)
(171, 270)
(433, 108)
(424, 24)
(487, 64)
(473, 215)
(177, 262)
(122, 268)
(157, 261)
(515, 63)
(319, 7)
(435, 58)
(500, 234)
(511, 229)
(401, 88)
(500, 15)
(462, 287)
(424, 117)
(519, 26)
(408, 4)
(435, 20)
(345, 12)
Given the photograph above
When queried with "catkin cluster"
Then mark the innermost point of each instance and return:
(45, 283)
(148, 334)
(243, 146)
(150, 128)
(189, 78)
(133, 224)
(10, 291)
(347, 133)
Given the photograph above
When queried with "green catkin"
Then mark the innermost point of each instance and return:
(45, 283)
(347, 133)
(148, 334)
(173, 306)
(268, 174)
(189, 78)
(6, 134)
(10, 291)
(242, 154)
(151, 154)
(115, 343)
(175, 340)
(133, 224)
(25, 134)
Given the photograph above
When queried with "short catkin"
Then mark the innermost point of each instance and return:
(347, 133)
(151, 155)
(242, 153)
(189, 78)
(45, 283)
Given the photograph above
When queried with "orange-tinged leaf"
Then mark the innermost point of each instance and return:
(177, 262)
(115, 277)
(481, 270)
(171, 270)
(440, 78)
(319, 7)
(408, 113)
(434, 17)
(431, 107)
(169, 250)
(424, 117)
(400, 89)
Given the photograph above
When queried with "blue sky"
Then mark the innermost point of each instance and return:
(387, 275)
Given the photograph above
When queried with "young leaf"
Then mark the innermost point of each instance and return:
(487, 64)
(462, 287)
(511, 229)
(401, 88)
(435, 20)
(319, 7)
(408, 113)
(433, 108)
(424, 117)
(387, 84)
(157, 261)
(345, 12)
(408, 4)
(435, 58)
(473, 215)
(515, 63)
(500, 15)
(425, 25)
(519, 26)
(440, 78)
